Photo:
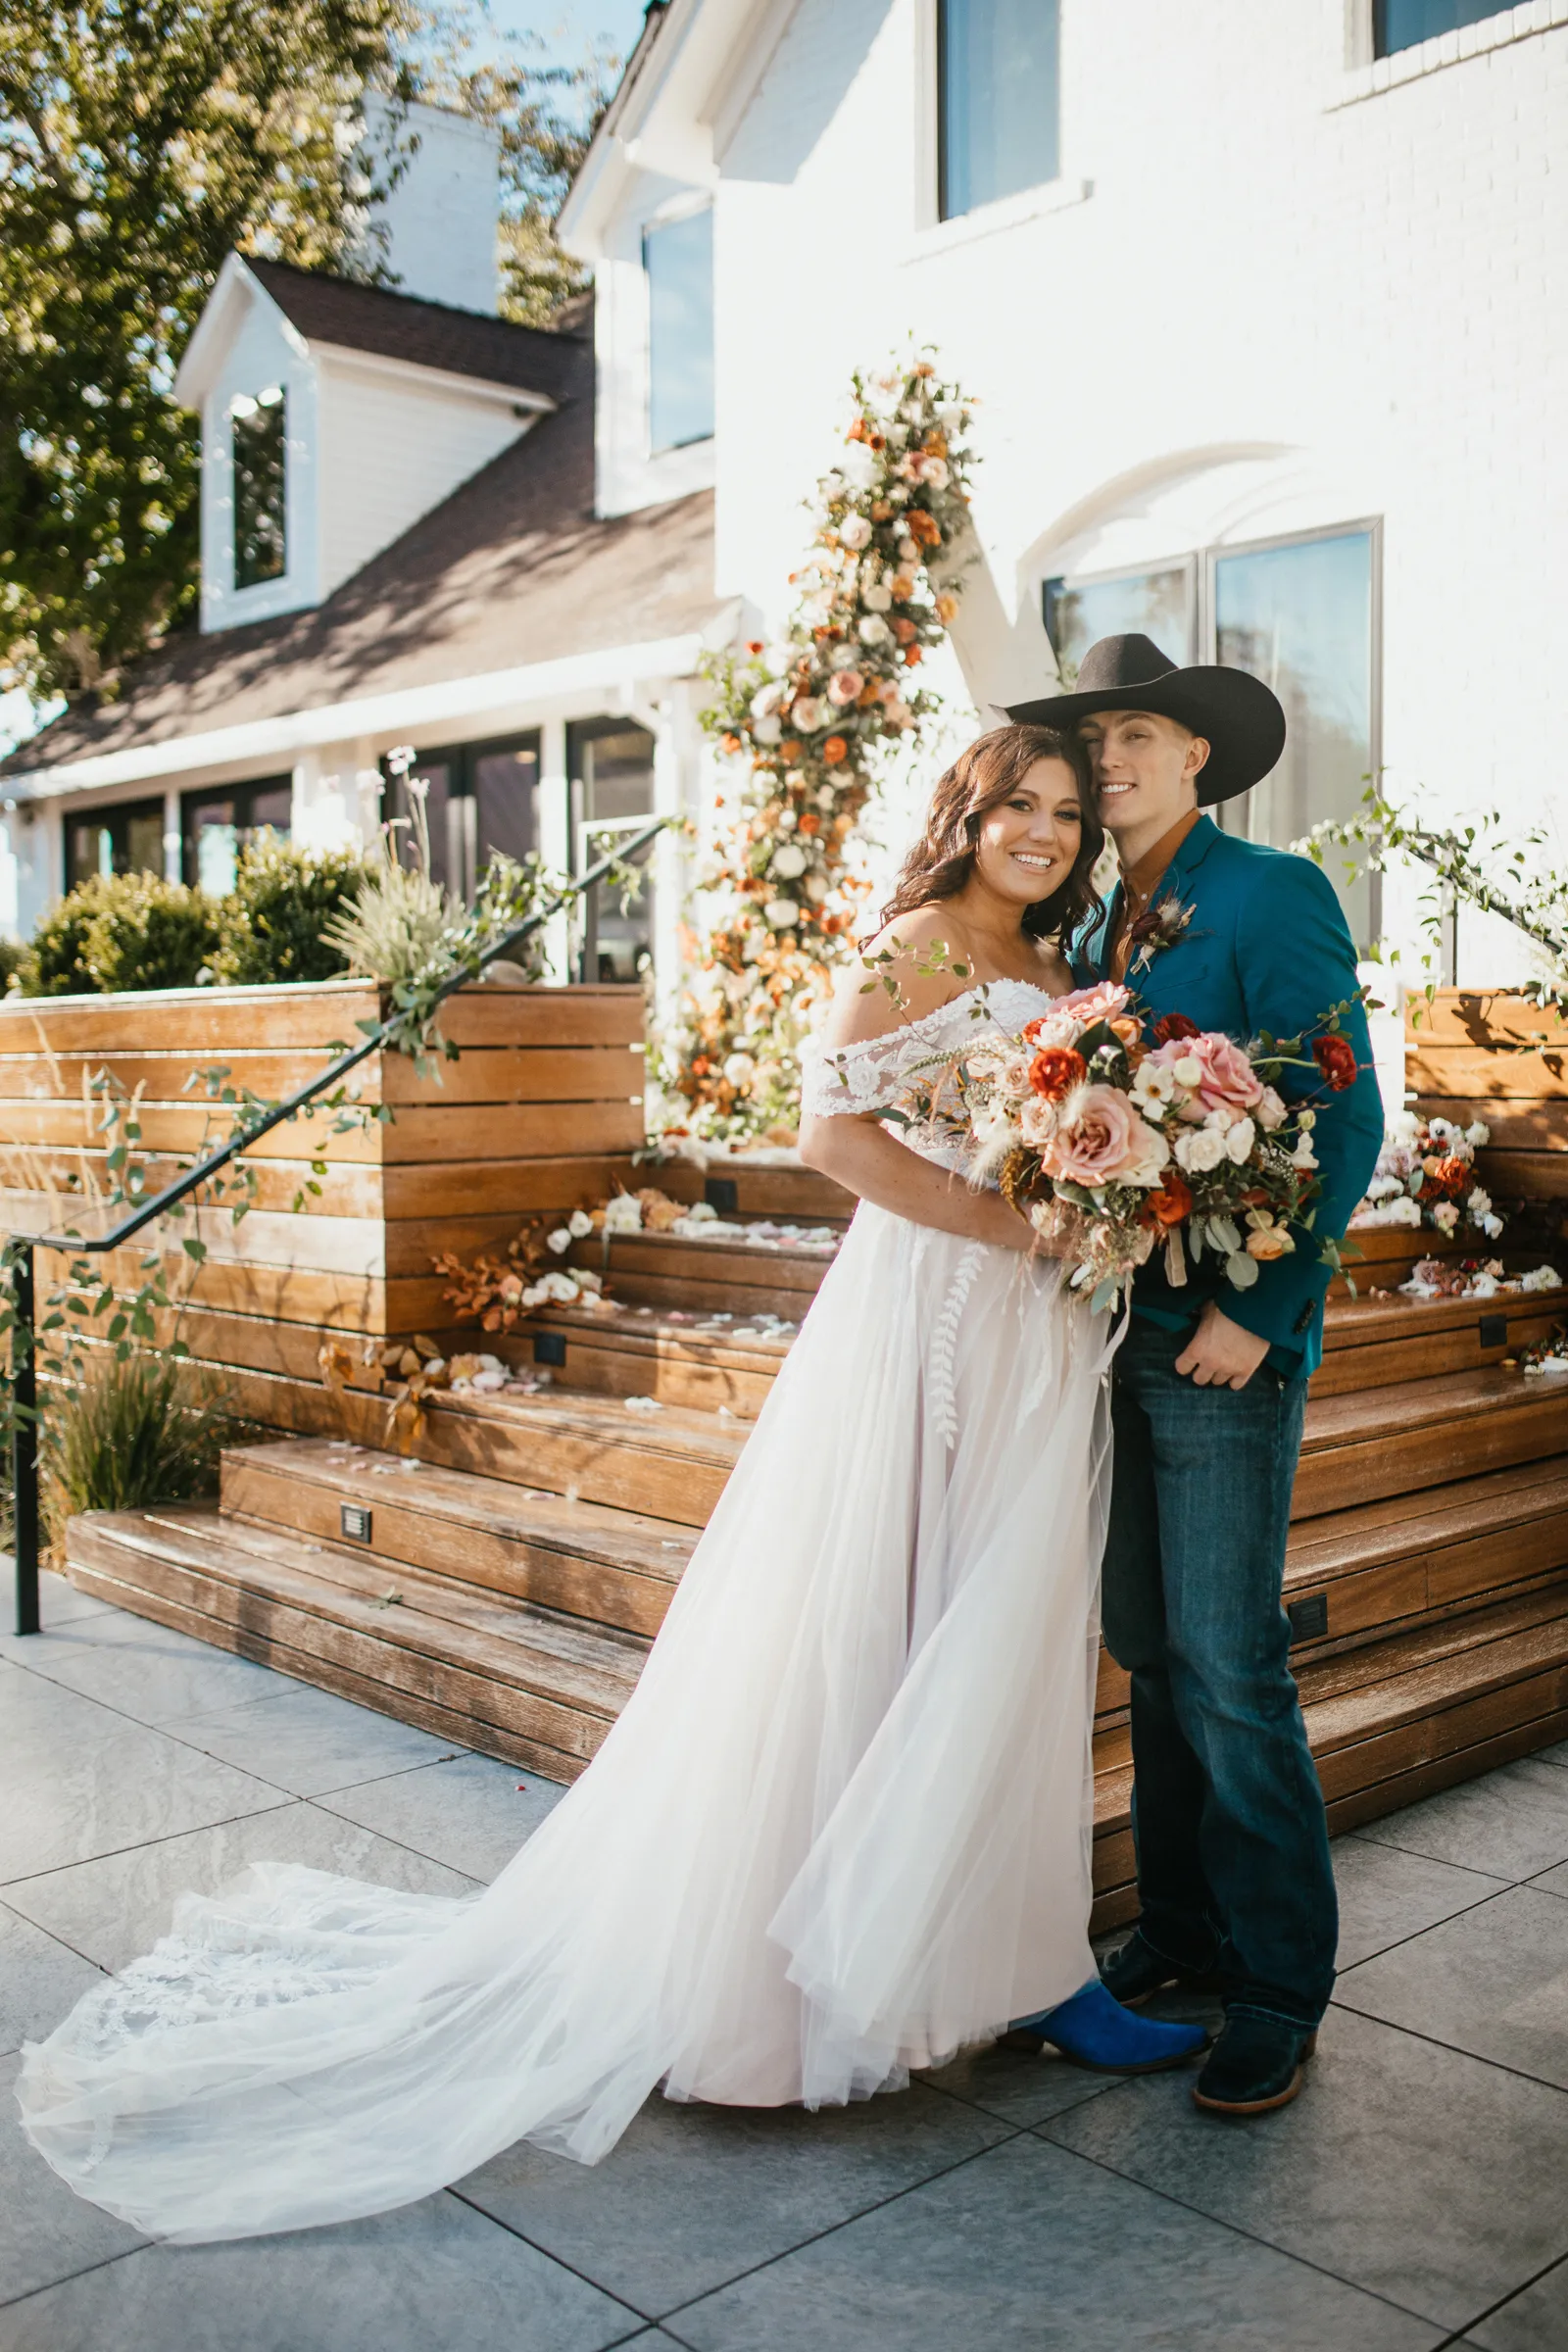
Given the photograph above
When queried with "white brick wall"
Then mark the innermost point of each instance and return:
(1285, 300)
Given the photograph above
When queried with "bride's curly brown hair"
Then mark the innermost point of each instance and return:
(978, 781)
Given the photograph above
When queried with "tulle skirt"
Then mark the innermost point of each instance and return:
(842, 1829)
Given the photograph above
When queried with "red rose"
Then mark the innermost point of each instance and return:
(1056, 1070)
(1171, 1025)
(1335, 1056)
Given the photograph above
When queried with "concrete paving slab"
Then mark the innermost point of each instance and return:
(469, 1813)
(1030, 2249)
(1388, 1893)
(40, 1978)
(1535, 2321)
(112, 1908)
(1510, 1823)
(308, 1742)
(1494, 1981)
(49, 2232)
(435, 2274)
(1418, 2173)
(695, 2196)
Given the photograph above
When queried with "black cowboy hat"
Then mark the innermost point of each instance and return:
(1238, 716)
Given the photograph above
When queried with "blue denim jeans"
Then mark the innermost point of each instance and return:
(1228, 1820)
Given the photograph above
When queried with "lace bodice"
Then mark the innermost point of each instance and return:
(896, 1072)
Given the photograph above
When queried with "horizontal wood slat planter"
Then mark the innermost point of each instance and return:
(1483, 1054)
(540, 1113)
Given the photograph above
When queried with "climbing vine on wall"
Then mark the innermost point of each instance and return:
(805, 724)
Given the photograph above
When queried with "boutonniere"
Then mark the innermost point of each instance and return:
(1159, 926)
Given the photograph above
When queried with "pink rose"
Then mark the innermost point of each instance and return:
(845, 687)
(1226, 1080)
(1106, 1143)
(1072, 1014)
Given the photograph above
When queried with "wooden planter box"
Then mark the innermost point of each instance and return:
(1483, 1054)
(541, 1112)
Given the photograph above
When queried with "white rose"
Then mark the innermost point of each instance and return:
(1541, 1278)
(1307, 1119)
(587, 1280)
(766, 700)
(1239, 1142)
(1404, 1128)
(1492, 1226)
(579, 1224)
(950, 415)
(816, 888)
(877, 599)
(873, 630)
(1188, 1072)
(766, 731)
(1199, 1150)
(856, 532)
(1222, 1118)
(1270, 1111)
(1477, 1134)
(1478, 1203)
(1150, 1157)
(560, 1240)
(858, 465)
(781, 913)
(935, 470)
(739, 1069)
(808, 715)
(1036, 1122)
(1403, 1211)
(789, 861)
(623, 1214)
(559, 1287)
(1445, 1217)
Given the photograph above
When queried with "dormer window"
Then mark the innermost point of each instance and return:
(678, 258)
(259, 426)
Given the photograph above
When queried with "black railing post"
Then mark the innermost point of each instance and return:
(24, 1440)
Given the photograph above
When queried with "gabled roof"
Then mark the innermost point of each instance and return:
(514, 569)
(427, 334)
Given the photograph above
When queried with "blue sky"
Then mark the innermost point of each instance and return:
(569, 28)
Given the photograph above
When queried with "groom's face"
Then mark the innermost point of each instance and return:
(1145, 767)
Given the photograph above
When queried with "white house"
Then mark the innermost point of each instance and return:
(401, 544)
(1265, 309)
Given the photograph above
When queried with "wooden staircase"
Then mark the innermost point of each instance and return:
(501, 1585)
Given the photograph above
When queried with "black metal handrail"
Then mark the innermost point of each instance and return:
(24, 1351)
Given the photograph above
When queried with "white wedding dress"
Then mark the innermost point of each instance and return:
(841, 1830)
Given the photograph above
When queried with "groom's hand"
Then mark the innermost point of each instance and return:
(1220, 1355)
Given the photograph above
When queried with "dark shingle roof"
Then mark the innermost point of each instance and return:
(400, 326)
(515, 567)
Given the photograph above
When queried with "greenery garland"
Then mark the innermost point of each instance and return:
(806, 725)
(1480, 866)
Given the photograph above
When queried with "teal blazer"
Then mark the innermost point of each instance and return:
(1267, 947)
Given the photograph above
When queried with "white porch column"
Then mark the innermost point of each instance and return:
(554, 838)
(171, 840)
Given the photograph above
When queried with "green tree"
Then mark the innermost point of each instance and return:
(140, 141)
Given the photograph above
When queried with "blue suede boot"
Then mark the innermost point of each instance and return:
(1096, 2031)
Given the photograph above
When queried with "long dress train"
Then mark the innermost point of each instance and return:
(841, 1829)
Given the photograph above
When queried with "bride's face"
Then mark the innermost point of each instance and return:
(1028, 842)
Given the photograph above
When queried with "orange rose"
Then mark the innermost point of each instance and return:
(1055, 1071)
(811, 822)
(789, 750)
(925, 528)
(911, 655)
(834, 749)
(1172, 1201)
(1129, 1030)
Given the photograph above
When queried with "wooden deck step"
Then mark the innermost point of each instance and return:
(1372, 1343)
(609, 1567)
(1409, 1435)
(686, 1357)
(501, 1675)
(724, 1277)
(1390, 1722)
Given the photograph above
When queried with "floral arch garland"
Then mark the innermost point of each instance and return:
(805, 724)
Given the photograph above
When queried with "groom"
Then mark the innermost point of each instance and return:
(1210, 1387)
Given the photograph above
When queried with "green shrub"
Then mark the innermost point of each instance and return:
(122, 1439)
(270, 926)
(12, 956)
(121, 931)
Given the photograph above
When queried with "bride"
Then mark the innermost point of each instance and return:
(842, 1829)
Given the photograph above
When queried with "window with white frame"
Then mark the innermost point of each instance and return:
(259, 434)
(1405, 23)
(678, 258)
(997, 100)
(1300, 613)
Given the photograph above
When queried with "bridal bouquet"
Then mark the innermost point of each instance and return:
(1117, 1147)
(1426, 1176)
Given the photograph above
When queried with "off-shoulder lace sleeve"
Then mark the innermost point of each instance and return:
(855, 1079)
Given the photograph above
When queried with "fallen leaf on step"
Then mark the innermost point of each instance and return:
(388, 1600)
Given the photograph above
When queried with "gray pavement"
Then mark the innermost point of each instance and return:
(1414, 2197)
